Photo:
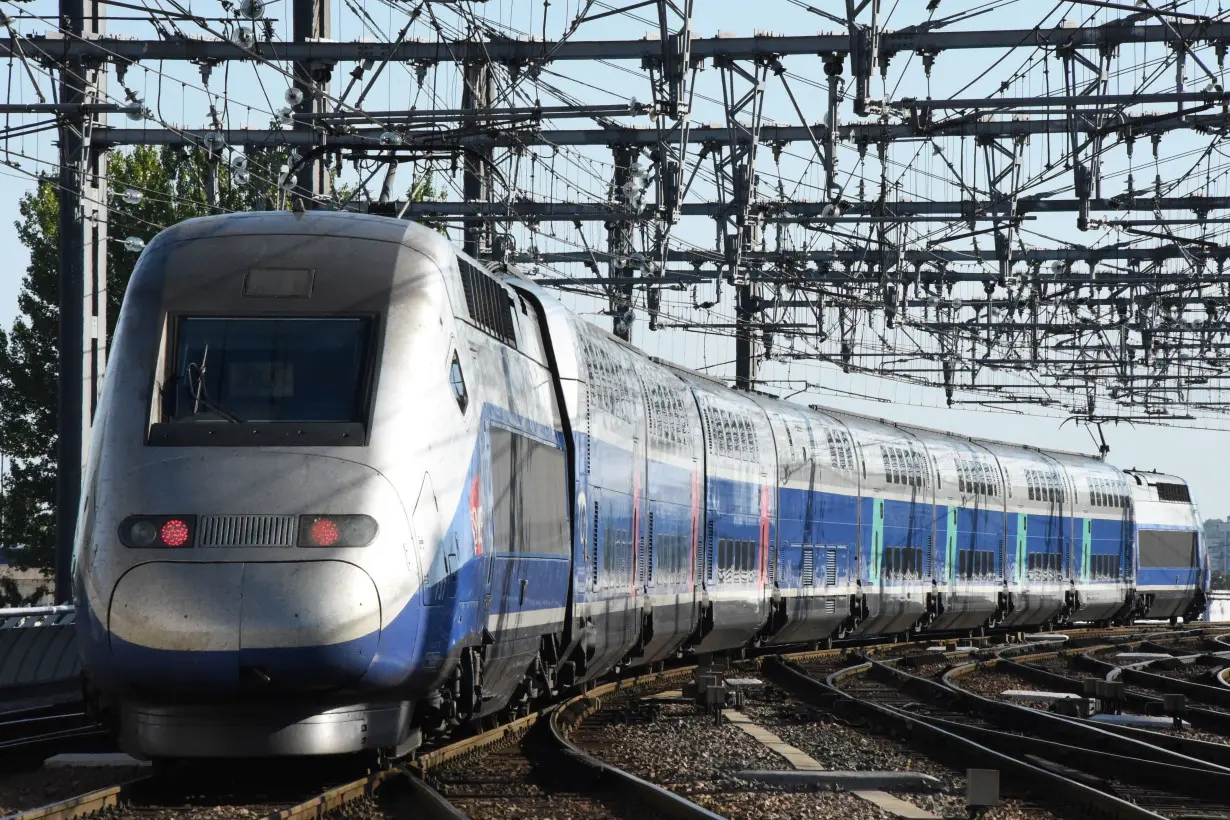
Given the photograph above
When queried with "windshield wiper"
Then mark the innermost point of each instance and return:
(200, 397)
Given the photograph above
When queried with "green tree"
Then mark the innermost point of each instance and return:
(171, 185)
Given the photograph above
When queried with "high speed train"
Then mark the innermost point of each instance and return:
(348, 488)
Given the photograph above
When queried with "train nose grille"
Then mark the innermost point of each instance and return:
(247, 531)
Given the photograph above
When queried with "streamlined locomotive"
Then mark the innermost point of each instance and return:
(348, 487)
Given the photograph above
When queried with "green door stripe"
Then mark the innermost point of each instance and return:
(877, 538)
(951, 567)
(1022, 530)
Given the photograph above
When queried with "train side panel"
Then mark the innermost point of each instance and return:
(1097, 567)
(608, 600)
(813, 566)
(969, 514)
(896, 526)
(740, 479)
(667, 566)
(1169, 547)
(524, 567)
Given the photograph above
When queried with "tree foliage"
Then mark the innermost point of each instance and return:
(172, 185)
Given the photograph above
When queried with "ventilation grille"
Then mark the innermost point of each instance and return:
(1173, 492)
(809, 567)
(830, 606)
(710, 564)
(489, 304)
(246, 531)
(595, 545)
(830, 569)
(647, 554)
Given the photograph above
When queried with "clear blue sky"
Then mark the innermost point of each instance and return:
(1193, 454)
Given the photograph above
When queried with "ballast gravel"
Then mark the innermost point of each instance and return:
(678, 746)
(30, 790)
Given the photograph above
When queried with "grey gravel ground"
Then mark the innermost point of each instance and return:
(210, 792)
(193, 813)
(992, 683)
(517, 781)
(685, 751)
(29, 790)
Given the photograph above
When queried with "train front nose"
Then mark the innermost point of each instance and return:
(256, 597)
(286, 625)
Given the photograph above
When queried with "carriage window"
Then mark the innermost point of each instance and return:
(1168, 548)
(268, 370)
(530, 495)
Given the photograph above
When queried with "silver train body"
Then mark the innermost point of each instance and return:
(348, 488)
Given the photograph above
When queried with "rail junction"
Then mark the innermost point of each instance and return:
(1044, 756)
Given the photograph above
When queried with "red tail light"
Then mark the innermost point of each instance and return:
(336, 530)
(323, 532)
(157, 531)
(174, 533)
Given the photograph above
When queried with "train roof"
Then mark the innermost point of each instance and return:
(404, 231)
(1145, 477)
(910, 428)
(315, 223)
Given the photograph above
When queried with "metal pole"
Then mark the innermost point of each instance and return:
(71, 302)
(476, 184)
(619, 244)
(746, 299)
(312, 77)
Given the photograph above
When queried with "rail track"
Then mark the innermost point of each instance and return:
(1142, 695)
(520, 750)
(29, 735)
(1085, 768)
(442, 782)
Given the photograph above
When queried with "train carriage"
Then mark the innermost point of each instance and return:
(1171, 566)
(813, 567)
(348, 487)
(967, 554)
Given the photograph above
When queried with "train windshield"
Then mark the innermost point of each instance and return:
(268, 370)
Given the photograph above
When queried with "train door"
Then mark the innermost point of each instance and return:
(764, 534)
(1071, 526)
(435, 551)
(696, 520)
(952, 544)
(505, 594)
(1022, 544)
(875, 559)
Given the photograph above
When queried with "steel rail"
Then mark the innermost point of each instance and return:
(428, 803)
(1131, 761)
(565, 719)
(1085, 800)
(1200, 692)
(1047, 725)
(1145, 777)
(1200, 718)
(86, 804)
(415, 775)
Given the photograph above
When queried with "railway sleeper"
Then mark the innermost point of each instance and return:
(1066, 794)
(1209, 785)
(1035, 722)
(1052, 727)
